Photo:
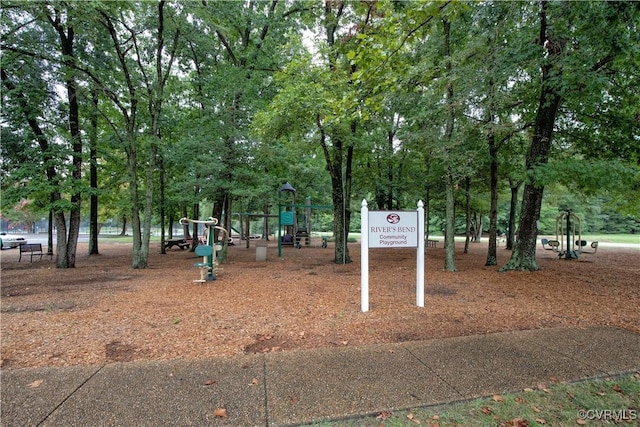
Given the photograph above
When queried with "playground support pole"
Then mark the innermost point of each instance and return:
(420, 257)
(570, 253)
(279, 229)
(211, 276)
(364, 257)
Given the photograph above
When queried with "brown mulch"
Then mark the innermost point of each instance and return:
(104, 311)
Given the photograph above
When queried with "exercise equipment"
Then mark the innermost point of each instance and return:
(567, 225)
(209, 249)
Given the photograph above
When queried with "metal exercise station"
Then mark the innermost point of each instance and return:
(209, 249)
(568, 224)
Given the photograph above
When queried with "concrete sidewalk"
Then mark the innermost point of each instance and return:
(299, 387)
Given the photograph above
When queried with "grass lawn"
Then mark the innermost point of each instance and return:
(613, 238)
(610, 401)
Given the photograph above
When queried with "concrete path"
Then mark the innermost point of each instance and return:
(293, 388)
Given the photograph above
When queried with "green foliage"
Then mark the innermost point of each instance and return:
(242, 105)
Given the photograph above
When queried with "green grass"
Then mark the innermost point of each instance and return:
(613, 238)
(116, 238)
(593, 403)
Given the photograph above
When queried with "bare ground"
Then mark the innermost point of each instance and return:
(104, 311)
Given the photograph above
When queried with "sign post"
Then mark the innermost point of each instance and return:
(392, 229)
(364, 257)
(420, 257)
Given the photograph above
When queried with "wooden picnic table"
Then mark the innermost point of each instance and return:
(181, 243)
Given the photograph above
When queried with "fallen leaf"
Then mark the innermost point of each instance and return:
(435, 417)
(617, 388)
(520, 400)
(35, 384)
(540, 421)
(486, 410)
(220, 413)
(528, 390)
(497, 398)
(210, 382)
(519, 422)
(543, 388)
(384, 415)
(294, 399)
(536, 409)
(345, 342)
(413, 419)
(581, 421)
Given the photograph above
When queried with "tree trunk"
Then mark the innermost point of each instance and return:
(492, 255)
(194, 231)
(427, 212)
(148, 205)
(123, 230)
(523, 256)
(185, 227)
(138, 260)
(467, 202)
(163, 204)
(94, 228)
(61, 239)
(341, 211)
(513, 206)
(50, 233)
(340, 222)
(449, 234)
(69, 243)
(449, 238)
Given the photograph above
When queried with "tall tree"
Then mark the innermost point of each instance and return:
(567, 49)
(319, 99)
(140, 61)
(62, 19)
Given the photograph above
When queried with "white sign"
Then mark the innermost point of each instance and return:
(392, 229)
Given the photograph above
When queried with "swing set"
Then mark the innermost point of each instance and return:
(209, 249)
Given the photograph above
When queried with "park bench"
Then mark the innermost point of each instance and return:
(32, 249)
(553, 244)
(432, 243)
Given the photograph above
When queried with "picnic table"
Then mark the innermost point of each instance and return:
(181, 243)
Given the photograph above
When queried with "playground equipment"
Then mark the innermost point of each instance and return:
(297, 225)
(550, 245)
(209, 249)
(567, 224)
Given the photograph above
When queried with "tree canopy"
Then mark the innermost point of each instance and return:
(482, 109)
